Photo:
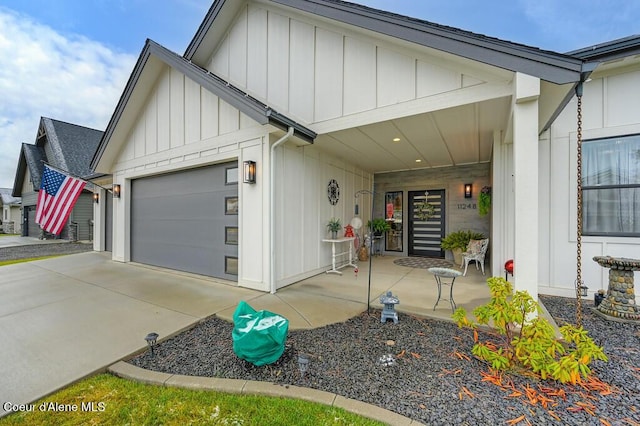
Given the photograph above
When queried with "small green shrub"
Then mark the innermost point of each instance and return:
(529, 343)
(460, 240)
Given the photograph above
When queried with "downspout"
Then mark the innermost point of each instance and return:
(272, 209)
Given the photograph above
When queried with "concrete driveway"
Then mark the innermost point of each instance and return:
(62, 319)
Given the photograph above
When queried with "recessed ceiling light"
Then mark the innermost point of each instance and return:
(396, 139)
(418, 161)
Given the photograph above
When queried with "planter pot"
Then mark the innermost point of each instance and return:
(334, 235)
(457, 256)
(363, 254)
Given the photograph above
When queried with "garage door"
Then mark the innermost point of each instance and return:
(187, 221)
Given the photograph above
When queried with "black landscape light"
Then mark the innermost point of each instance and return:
(303, 364)
(151, 339)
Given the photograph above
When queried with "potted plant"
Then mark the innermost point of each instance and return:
(458, 241)
(378, 226)
(484, 201)
(334, 226)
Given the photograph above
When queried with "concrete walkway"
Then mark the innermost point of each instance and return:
(64, 318)
(16, 240)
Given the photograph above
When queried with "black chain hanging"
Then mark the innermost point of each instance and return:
(579, 282)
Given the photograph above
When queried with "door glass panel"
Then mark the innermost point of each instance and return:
(393, 209)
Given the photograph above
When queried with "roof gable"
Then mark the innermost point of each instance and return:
(144, 75)
(549, 66)
(7, 199)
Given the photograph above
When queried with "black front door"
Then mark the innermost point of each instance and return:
(426, 223)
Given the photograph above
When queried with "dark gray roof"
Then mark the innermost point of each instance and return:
(550, 66)
(7, 198)
(248, 105)
(71, 146)
(31, 159)
(609, 50)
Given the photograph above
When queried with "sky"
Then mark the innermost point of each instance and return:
(70, 59)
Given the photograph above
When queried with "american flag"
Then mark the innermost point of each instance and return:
(57, 196)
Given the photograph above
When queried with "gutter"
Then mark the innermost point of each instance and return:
(272, 209)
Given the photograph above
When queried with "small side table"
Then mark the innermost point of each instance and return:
(334, 255)
(441, 273)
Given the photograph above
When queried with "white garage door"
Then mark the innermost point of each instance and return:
(187, 221)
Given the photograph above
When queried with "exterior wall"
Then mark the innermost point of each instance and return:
(11, 219)
(303, 208)
(608, 110)
(82, 214)
(184, 126)
(460, 213)
(317, 71)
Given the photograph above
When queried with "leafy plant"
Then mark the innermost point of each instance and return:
(379, 226)
(460, 239)
(529, 343)
(334, 224)
(484, 201)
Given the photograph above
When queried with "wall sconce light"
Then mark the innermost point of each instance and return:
(468, 190)
(96, 197)
(116, 191)
(250, 172)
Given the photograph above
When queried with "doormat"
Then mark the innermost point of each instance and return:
(424, 262)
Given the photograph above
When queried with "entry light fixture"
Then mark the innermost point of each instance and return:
(151, 339)
(468, 190)
(250, 172)
(96, 197)
(116, 191)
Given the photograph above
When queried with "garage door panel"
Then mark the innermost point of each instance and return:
(178, 221)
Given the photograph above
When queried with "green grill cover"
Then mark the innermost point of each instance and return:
(258, 336)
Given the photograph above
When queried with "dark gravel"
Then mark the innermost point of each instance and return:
(37, 250)
(428, 381)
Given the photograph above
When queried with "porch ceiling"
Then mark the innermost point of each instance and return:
(449, 137)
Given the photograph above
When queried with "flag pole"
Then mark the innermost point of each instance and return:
(67, 172)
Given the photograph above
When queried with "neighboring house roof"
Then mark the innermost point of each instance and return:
(71, 147)
(546, 65)
(258, 111)
(610, 50)
(7, 199)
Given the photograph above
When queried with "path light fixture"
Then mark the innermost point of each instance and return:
(303, 364)
(584, 290)
(468, 190)
(151, 339)
(249, 172)
(116, 191)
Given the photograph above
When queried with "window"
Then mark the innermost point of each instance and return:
(611, 186)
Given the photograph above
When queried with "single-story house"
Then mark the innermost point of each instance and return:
(10, 219)
(329, 103)
(69, 148)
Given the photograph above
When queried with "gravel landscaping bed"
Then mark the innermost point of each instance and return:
(28, 251)
(431, 380)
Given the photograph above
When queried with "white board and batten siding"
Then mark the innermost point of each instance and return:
(179, 120)
(316, 71)
(608, 111)
(303, 209)
(182, 126)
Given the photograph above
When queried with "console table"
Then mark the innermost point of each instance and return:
(334, 255)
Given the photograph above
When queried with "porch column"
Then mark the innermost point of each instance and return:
(525, 167)
(99, 219)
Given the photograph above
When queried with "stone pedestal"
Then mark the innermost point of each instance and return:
(620, 302)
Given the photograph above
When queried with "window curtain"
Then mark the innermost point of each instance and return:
(611, 162)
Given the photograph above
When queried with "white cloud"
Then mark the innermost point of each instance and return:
(45, 73)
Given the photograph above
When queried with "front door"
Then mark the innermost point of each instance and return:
(426, 223)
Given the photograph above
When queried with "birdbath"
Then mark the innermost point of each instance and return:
(620, 302)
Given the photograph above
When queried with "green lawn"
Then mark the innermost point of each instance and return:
(109, 400)
(11, 262)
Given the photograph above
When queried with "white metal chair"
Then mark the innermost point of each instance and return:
(476, 250)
